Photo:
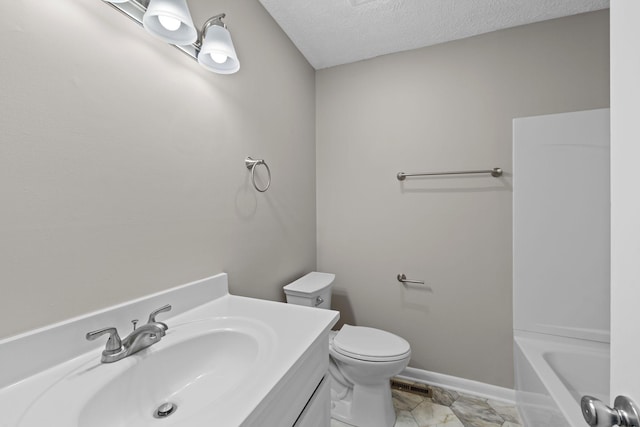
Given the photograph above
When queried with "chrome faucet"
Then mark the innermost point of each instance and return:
(141, 338)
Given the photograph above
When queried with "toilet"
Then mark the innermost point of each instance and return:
(362, 360)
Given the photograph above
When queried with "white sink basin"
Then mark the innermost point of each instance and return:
(225, 361)
(196, 365)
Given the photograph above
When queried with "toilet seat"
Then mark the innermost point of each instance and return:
(370, 344)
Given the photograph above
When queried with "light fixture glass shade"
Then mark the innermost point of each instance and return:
(116, 1)
(160, 13)
(217, 53)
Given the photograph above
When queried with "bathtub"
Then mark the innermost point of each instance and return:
(553, 373)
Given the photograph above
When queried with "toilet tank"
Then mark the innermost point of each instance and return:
(312, 290)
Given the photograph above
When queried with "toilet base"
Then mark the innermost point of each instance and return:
(365, 406)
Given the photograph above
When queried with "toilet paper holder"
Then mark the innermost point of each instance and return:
(402, 278)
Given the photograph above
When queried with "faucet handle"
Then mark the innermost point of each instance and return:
(154, 313)
(114, 343)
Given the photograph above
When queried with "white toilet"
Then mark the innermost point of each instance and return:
(363, 360)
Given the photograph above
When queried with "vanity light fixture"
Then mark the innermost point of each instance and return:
(170, 21)
(216, 51)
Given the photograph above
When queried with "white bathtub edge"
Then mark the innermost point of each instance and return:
(488, 391)
(533, 347)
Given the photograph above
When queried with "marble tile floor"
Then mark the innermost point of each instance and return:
(447, 408)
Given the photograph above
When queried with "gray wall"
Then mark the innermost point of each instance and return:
(122, 161)
(446, 107)
(121, 170)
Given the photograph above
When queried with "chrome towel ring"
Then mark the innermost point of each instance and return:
(251, 164)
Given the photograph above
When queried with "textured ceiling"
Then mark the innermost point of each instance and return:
(334, 32)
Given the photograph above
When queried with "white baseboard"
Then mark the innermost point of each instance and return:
(477, 388)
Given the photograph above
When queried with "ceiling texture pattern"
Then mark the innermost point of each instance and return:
(334, 32)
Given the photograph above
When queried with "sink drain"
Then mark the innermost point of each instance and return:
(165, 410)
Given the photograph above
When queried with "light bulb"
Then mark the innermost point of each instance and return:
(171, 24)
(219, 57)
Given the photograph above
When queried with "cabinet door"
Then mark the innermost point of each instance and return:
(317, 413)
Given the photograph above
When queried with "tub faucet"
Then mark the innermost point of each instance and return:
(141, 338)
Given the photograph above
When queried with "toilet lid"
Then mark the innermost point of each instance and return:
(370, 344)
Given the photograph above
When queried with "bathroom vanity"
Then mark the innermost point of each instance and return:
(225, 360)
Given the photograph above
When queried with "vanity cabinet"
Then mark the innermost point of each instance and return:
(302, 397)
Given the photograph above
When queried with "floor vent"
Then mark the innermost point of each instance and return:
(411, 387)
